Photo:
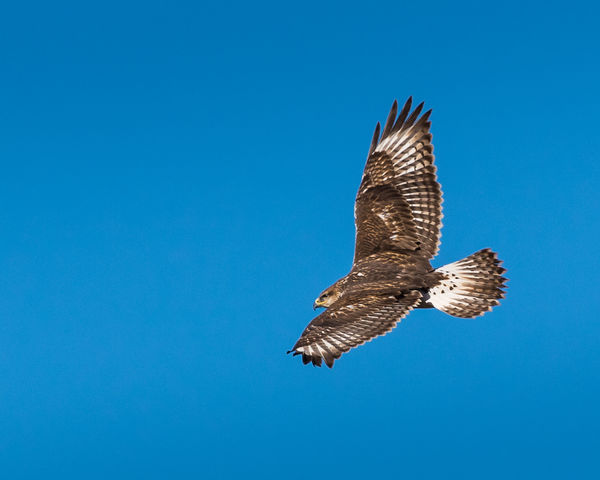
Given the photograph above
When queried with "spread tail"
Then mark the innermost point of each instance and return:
(471, 286)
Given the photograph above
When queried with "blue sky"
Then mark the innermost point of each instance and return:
(177, 187)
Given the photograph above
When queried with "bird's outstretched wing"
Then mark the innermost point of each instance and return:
(350, 322)
(399, 201)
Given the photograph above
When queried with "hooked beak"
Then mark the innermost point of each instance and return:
(317, 304)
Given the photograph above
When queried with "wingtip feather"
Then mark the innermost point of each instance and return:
(375, 139)
(389, 123)
(403, 114)
(415, 114)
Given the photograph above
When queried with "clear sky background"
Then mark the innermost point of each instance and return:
(177, 187)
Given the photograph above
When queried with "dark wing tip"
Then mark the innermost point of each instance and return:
(397, 121)
(423, 122)
(403, 114)
(316, 360)
(389, 123)
(415, 114)
(376, 132)
(375, 139)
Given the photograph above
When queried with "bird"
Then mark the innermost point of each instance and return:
(398, 219)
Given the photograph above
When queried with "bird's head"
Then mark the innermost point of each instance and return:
(327, 297)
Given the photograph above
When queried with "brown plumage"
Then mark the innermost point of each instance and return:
(398, 213)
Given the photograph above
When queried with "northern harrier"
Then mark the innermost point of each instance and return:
(398, 212)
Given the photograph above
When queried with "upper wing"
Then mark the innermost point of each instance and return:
(351, 322)
(399, 202)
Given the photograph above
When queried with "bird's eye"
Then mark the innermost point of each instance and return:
(325, 295)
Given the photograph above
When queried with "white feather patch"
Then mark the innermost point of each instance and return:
(454, 290)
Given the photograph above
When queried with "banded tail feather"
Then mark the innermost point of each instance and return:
(471, 286)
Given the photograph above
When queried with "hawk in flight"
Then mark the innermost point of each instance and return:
(398, 213)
